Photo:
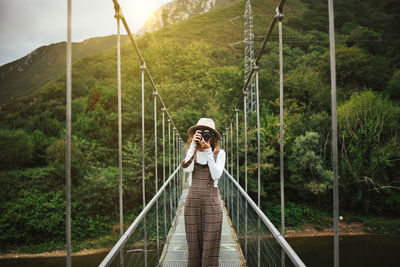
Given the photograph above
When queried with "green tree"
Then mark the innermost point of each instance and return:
(82, 155)
(393, 89)
(369, 135)
(16, 149)
(307, 172)
(40, 143)
(306, 85)
(355, 68)
(365, 38)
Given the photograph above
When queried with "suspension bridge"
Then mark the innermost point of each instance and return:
(157, 237)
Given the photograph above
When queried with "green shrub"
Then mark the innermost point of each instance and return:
(44, 179)
(40, 143)
(32, 217)
(98, 191)
(82, 154)
(296, 214)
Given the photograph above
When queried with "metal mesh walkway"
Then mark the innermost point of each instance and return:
(175, 252)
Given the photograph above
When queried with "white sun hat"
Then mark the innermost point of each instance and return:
(204, 123)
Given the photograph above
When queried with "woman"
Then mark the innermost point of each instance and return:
(203, 211)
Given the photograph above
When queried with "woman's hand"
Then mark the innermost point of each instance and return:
(197, 136)
(205, 145)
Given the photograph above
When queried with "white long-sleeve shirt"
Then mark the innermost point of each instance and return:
(206, 157)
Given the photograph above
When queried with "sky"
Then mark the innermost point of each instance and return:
(28, 24)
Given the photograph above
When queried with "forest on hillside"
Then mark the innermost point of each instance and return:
(199, 75)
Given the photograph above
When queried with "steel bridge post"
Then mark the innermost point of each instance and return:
(237, 166)
(121, 216)
(231, 148)
(183, 173)
(142, 69)
(227, 148)
(169, 146)
(279, 17)
(180, 173)
(334, 134)
(226, 183)
(256, 68)
(68, 138)
(226, 167)
(178, 142)
(156, 166)
(173, 162)
(163, 146)
(245, 161)
(180, 159)
(176, 164)
(223, 147)
(230, 157)
(169, 167)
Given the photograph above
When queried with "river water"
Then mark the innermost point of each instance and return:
(365, 250)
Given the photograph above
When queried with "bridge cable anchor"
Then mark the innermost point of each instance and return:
(118, 13)
(279, 15)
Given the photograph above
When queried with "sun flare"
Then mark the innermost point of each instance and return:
(145, 9)
(141, 10)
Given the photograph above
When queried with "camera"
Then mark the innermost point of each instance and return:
(207, 134)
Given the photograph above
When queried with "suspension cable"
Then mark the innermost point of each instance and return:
(237, 165)
(68, 137)
(245, 160)
(334, 134)
(121, 214)
(163, 145)
(142, 68)
(156, 165)
(279, 17)
(231, 148)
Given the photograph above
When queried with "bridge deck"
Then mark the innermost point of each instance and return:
(175, 251)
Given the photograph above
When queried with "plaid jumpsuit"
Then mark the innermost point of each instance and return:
(203, 219)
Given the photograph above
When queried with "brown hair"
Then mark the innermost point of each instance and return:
(214, 144)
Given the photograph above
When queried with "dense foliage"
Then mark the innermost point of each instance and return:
(197, 76)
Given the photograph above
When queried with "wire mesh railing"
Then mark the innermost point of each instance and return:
(142, 243)
(253, 228)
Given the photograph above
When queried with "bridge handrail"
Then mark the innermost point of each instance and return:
(277, 235)
(113, 252)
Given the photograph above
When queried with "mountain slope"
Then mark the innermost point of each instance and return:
(178, 10)
(29, 73)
